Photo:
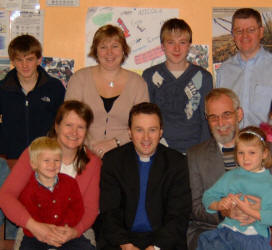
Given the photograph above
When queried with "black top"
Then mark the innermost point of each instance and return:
(108, 102)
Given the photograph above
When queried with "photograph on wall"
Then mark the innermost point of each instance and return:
(223, 46)
(59, 68)
(199, 55)
(4, 67)
(4, 32)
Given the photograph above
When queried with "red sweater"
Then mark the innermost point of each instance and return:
(63, 206)
(88, 183)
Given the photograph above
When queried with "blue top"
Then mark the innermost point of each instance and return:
(247, 183)
(141, 221)
(252, 82)
(181, 101)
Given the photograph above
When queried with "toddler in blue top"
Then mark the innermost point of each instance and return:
(235, 188)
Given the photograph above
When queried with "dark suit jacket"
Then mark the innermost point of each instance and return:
(168, 199)
(206, 166)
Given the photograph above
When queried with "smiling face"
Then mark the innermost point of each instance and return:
(71, 131)
(26, 65)
(225, 127)
(47, 165)
(176, 47)
(145, 133)
(247, 35)
(250, 156)
(110, 53)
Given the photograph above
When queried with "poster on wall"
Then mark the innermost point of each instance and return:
(141, 27)
(63, 3)
(27, 22)
(4, 32)
(21, 4)
(223, 46)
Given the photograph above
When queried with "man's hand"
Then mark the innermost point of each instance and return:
(237, 214)
(129, 246)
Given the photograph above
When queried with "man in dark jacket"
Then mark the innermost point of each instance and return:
(145, 193)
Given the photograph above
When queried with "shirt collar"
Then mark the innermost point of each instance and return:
(49, 188)
(221, 146)
(252, 60)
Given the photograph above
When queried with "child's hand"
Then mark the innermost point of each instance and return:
(224, 204)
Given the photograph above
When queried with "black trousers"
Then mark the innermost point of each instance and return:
(81, 243)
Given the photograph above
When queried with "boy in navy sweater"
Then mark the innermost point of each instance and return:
(179, 89)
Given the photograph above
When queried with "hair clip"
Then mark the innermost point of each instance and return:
(253, 133)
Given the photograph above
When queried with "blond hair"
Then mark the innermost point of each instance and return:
(42, 144)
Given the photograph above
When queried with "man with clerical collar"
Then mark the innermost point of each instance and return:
(247, 73)
(145, 193)
(209, 160)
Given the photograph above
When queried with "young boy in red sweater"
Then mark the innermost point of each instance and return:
(51, 197)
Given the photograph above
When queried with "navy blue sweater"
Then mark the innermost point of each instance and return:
(26, 117)
(181, 101)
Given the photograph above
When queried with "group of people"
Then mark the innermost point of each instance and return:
(175, 165)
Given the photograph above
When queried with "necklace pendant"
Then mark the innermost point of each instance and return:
(111, 84)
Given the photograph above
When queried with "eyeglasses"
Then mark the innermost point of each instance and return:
(250, 30)
(224, 116)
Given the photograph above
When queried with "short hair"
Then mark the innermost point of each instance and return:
(109, 31)
(245, 13)
(175, 25)
(86, 114)
(41, 144)
(145, 108)
(218, 92)
(255, 136)
(25, 44)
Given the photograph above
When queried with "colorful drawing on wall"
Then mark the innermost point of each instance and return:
(141, 27)
(59, 68)
(223, 46)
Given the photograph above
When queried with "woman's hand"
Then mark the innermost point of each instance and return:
(102, 147)
(68, 233)
(47, 233)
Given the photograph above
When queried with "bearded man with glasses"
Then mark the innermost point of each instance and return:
(248, 72)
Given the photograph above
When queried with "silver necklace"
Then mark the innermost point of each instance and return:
(111, 84)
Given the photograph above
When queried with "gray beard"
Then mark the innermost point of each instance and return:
(224, 139)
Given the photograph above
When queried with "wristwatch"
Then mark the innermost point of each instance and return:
(118, 143)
